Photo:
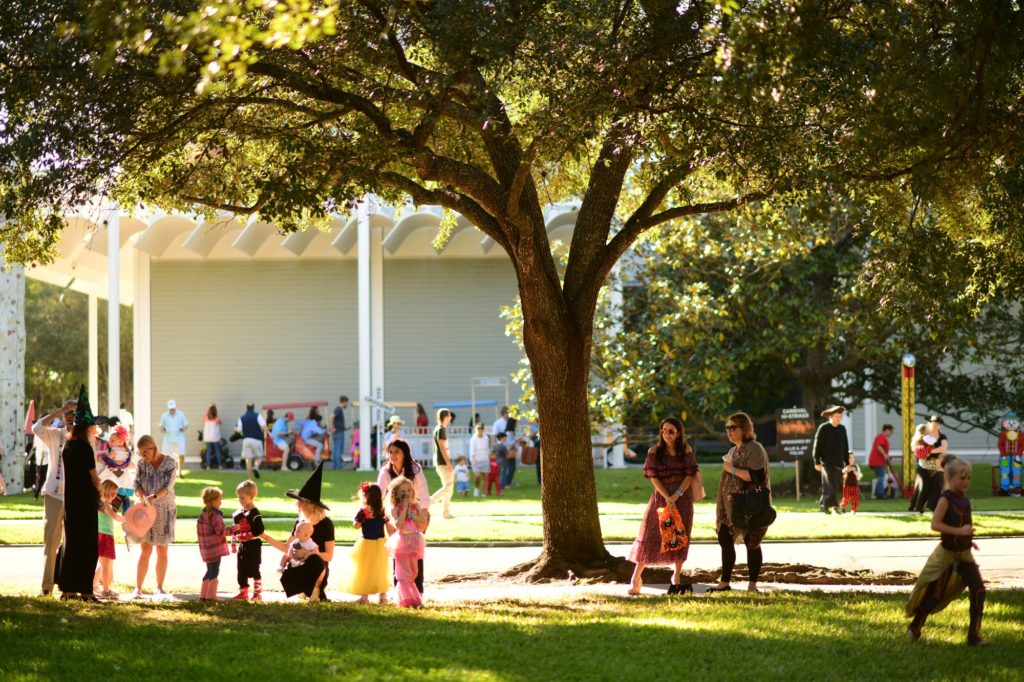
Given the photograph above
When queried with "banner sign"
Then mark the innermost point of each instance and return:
(795, 434)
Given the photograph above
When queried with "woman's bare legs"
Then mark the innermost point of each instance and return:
(161, 566)
(636, 582)
(145, 550)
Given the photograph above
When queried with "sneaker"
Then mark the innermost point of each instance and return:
(448, 515)
(136, 594)
(256, 473)
(476, 492)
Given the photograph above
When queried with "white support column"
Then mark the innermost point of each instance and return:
(870, 426)
(94, 348)
(12, 373)
(142, 348)
(377, 310)
(365, 334)
(113, 309)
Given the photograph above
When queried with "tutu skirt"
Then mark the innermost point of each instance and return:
(370, 568)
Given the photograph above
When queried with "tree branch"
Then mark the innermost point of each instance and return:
(515, 190)
(327, 93)
(455, 201)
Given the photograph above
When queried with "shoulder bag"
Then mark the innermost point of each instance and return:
(752, 508)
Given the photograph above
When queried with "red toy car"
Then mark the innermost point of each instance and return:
(302, 452)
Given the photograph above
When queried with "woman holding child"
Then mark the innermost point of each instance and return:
(401, 463)
(310, 576)
(81, 500)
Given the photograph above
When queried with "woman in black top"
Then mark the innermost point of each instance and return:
(81, 504)
(310, 578)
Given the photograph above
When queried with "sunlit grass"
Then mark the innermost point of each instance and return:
(789, 635)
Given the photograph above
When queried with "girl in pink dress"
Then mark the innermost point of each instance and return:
(407, 543)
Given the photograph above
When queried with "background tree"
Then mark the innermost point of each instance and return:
(645, 111)
(735, 311)
(57, 343)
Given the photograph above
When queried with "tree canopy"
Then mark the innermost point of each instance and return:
(645, 111)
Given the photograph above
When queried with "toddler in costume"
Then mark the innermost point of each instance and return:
(461, 477)
(107, 516)
(494, 474)
(407, 543)
(302, 538)
(247, 530)
(114, 463)
(213, 545)
(851, 486)
(951, 566)
(370, 570)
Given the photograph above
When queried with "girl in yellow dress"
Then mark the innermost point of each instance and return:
(370, 571)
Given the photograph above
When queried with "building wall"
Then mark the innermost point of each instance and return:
(274, 331)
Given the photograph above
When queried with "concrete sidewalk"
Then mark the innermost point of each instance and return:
(1000, 560)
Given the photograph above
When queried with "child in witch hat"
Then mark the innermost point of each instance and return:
(310, 578)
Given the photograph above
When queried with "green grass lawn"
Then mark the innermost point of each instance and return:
(779, 636)
(621, 493)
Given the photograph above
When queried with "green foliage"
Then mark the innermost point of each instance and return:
(57, 342)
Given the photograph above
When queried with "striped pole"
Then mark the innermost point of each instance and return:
(907, 395)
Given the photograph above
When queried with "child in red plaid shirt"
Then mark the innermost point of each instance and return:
(211, 532)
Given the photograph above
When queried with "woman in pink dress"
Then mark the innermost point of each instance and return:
(407, 543)
(672, 469)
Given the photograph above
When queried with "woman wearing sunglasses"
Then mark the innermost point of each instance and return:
(745, 467)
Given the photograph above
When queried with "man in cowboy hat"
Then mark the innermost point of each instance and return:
(831, 450)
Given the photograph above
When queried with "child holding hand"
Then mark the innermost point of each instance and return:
(407, 543)
(107, 516)
(370, 570)
(212, 535)
(951, 566)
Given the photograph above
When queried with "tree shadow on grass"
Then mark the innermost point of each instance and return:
(733, 636)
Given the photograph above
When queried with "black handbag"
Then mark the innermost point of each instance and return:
(752, 509)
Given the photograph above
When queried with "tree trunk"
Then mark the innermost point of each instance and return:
(12, 373)
(559, 354)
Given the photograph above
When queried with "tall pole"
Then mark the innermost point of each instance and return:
(365, 333)
(113, 310)
(907, 394)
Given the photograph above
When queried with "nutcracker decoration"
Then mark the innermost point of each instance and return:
(1011, 453)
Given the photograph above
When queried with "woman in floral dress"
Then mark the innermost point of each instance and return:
(672, 469)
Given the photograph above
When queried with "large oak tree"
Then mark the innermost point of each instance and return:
(645, 111)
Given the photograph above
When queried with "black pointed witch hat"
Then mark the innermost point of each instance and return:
(83, 413)
(310, 491)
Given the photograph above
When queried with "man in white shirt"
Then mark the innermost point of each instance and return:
(52, 440)
(501, 425)
(173, 424)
